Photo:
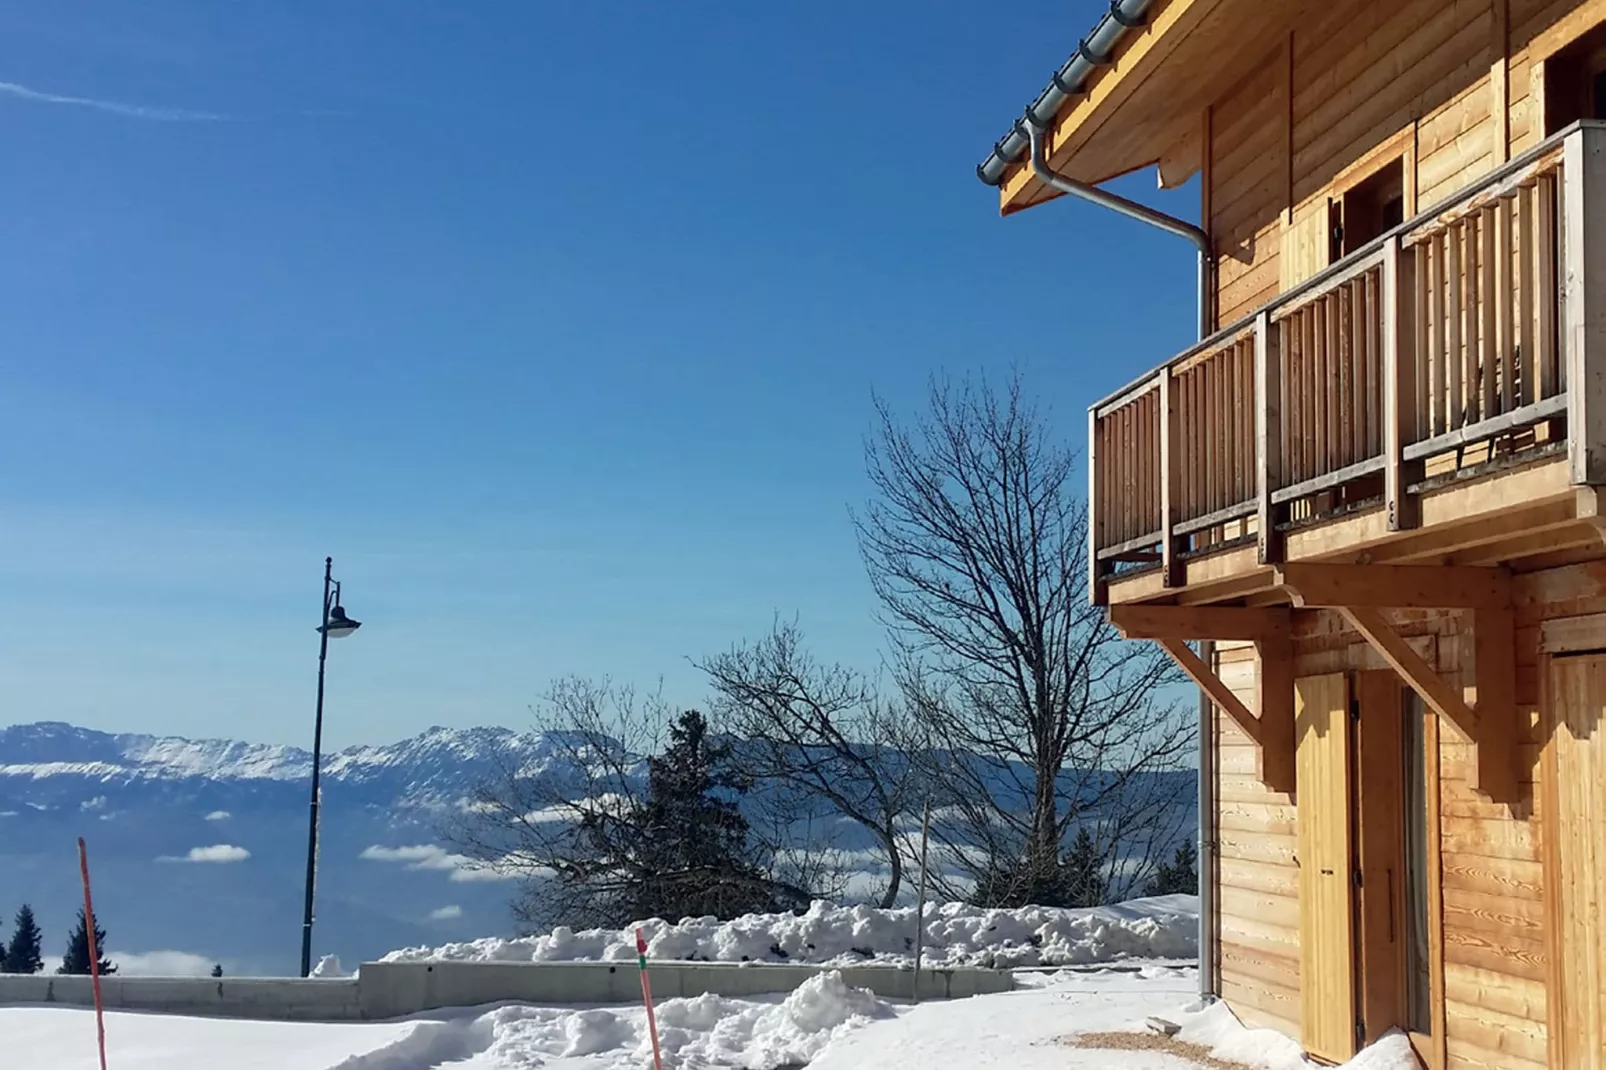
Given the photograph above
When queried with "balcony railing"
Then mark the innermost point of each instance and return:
(1435, 347)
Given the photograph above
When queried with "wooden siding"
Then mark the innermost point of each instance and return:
(1248, 176)
(1452, 86)
(1491, 989)
(1258, 937)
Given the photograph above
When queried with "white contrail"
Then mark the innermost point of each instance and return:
(132, 111)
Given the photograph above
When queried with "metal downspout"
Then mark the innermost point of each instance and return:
(1133, 210)
(1207, 774)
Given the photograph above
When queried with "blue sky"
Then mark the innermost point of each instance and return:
(556, 323)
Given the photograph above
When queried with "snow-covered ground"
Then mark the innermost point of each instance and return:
(956, 934)
(824, 1025)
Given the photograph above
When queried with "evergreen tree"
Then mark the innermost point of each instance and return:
(76, 960)
(217, 970)
(682, 851)
(24, 953)
(1180, 876)
(1082, 877)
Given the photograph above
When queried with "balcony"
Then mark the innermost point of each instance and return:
(1438, 397)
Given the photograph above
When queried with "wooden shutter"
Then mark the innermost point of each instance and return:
(1326, 918)
(1306, 243)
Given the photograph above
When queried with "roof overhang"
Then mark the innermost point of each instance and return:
(1141, 102)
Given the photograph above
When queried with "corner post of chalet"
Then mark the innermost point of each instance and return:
(1170, 478)
(1399, 381)
(1271, 729)
(1583, 256)
(1363, 592)
(1268, 440)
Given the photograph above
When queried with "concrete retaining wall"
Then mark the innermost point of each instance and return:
(386, 990)
(278, 999)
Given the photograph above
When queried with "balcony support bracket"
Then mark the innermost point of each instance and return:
(1272, 731)
(1313, 586)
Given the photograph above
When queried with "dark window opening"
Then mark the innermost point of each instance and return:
(1575, 82)
(1373, 207)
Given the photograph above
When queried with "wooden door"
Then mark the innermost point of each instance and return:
(1577, 869)
(1326, 874)
(1380, 841)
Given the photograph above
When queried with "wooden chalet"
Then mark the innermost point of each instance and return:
(1372, 498)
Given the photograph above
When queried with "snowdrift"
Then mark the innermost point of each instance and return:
(956, 934)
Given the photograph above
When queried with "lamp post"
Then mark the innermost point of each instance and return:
(335, 624)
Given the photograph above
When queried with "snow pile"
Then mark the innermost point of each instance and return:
(956, 934)
(707, 1031)
(1216, 1028)
(329, 967)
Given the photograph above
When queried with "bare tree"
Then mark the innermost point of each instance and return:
(599, 820)
(1037, 719)
(524, 821)
(813, 733)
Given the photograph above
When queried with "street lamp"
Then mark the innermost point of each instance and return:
(336, 625)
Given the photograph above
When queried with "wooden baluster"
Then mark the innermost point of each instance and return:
(1504, 303)
(1489, 332)
(1287, 340)
(1437, 387)
(1525, 295)
(1374, 365)
(1343, 314)
(1456, 415)
(1471, 375)
(1229, 424)
(1169, 426)
(1420, 256)
(1333, 387)
(1545, 293)
(1309, 396)
(1249, 481)
(1269, 396)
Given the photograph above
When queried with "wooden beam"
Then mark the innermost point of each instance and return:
(1590, 506)
(1494, 656)
(1573, 635)
(1185, 155)
(1268, 436)
(1395, 586)
(1500, 78)
(1276, 694)
(1489, 730)
(1219, 692)
(1440, 696)
(1199, 622)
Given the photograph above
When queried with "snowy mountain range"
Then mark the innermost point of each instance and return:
(198, 847)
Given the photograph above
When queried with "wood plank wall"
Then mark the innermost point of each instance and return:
(1454, 80)
(1495, 958)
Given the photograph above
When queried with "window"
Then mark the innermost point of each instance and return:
(1418, 976)
(1575, 82)
(1372, 207)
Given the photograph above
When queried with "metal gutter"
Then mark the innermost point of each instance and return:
(1096, 50)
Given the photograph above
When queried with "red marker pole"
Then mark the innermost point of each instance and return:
(646, 997)
(94, 952)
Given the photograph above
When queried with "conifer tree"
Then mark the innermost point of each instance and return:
(76, 961)
(24, 952)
